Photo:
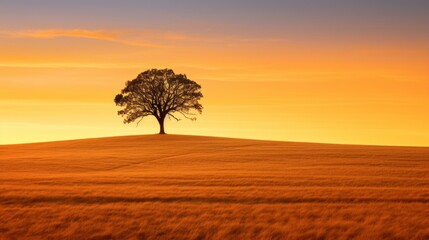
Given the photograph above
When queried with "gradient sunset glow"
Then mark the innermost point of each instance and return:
(316, 71)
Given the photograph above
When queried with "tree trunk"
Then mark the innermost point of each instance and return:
(161, 126)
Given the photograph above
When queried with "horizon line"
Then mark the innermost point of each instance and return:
(207, 136)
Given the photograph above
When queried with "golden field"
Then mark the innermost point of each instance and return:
(186, 187)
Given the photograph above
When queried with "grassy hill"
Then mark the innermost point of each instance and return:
(188, 187)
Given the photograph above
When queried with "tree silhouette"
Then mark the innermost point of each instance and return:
(160, 93)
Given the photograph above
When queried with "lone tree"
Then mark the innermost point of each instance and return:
(160, 93)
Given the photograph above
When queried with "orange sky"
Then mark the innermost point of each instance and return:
(58, 78)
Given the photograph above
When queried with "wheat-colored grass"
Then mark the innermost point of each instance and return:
(183, 187)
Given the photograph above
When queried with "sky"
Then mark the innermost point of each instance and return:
(334, 71)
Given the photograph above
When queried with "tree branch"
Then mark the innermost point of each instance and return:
(193, 119)
(177, 119)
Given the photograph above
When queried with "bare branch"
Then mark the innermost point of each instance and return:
(171, 115)
(139, 121)
(184, 114)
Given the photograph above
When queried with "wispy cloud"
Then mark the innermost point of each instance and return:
(133, 37)
(130, 38)
(55, 33)
(71, 65)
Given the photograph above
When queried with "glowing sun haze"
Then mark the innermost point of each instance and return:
(320, 71)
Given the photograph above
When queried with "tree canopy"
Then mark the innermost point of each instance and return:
(159, 93)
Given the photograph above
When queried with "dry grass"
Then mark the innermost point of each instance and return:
(182, 187)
